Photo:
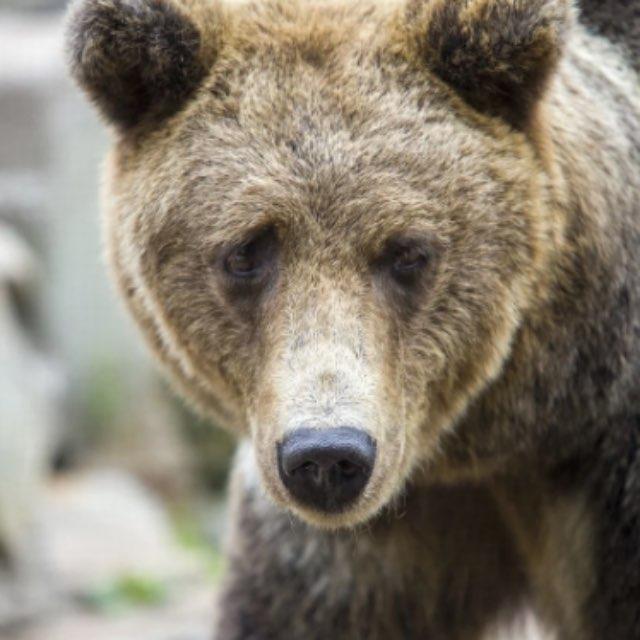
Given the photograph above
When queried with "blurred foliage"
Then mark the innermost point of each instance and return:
(131, 590)
(105, 391)
(126, 592)
(212, 445)
(190, 536)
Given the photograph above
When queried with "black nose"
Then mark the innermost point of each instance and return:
(326, 469)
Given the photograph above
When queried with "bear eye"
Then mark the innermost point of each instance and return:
(409, 259)
(250, 260)
(406, 260)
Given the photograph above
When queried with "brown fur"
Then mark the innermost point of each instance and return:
(498, 55)
(139, 59)
(501, 138)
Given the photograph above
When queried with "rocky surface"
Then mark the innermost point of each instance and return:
(187, 617)
(110, 566)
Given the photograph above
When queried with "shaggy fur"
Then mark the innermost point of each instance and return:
(499, 55)
(136, 58)
(501, 140)
(618, 20)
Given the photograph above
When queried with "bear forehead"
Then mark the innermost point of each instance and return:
(292, 145)
(316, 67)
(303, 112)
(302, 143)
(268, 111)
(312, 66)
(325, 80)
(314, 28)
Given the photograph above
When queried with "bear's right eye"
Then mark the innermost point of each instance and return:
(250, 260)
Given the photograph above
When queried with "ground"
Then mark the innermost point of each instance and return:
(158, 585)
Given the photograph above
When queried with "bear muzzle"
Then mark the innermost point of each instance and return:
(326, 469)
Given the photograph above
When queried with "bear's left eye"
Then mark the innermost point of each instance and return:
(249, 260)
(406, 260)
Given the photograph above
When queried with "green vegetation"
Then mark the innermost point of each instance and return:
(126, 592)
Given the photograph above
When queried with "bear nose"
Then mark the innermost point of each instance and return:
(326, 469)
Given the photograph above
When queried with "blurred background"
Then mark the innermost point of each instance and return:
(111, 491)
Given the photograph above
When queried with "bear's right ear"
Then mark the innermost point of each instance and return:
(139, 60)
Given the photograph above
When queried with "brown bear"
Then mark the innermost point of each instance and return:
(394, 246)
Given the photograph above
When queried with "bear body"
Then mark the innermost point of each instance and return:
(415, 223)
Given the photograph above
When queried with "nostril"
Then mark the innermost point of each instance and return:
(348, 469)
(305, 466)
(326, 468)
(308, 470)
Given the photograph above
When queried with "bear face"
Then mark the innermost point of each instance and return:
(327, 216)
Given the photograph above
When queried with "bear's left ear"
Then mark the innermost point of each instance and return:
(139, 60)
(497, 54)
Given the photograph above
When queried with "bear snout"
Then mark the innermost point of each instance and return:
(326, 469)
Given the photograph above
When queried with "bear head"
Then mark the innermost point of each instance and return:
(328, 218)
